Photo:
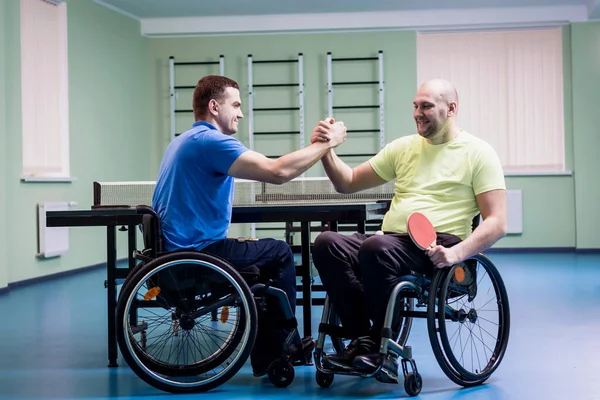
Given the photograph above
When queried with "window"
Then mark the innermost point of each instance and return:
(510, 86)
(44, 89)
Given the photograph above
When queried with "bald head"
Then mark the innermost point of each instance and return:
(436, 104)
(442, 89)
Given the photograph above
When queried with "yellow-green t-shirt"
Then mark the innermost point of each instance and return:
(441, 181)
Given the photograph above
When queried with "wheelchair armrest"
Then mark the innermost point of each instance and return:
(250, 273)
(409, 278)
(143, 255)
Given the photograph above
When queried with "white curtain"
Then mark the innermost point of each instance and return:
(44, 88)
(510, 86)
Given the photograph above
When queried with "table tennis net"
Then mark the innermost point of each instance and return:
(247, 193)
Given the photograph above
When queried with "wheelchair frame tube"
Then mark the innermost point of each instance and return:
(325, 318)
(225, 302)
(403, 351)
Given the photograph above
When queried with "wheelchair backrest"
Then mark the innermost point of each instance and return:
(475, 222)
(151, 232)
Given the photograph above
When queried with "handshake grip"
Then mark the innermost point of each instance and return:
(329, 131)
(338, 132)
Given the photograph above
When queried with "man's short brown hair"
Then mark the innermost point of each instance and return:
(210, 87)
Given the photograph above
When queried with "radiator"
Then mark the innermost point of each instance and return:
(514, 213)
(52, 242)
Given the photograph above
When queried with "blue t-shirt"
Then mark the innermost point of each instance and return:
(194, 195)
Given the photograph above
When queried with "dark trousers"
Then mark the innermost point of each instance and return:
(360, 271)
(275, 261)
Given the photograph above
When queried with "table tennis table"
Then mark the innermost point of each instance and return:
(267, 208)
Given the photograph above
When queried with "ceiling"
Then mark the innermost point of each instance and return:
(202, 8)
(192, 17)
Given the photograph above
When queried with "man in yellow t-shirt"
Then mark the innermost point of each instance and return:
(444, 172)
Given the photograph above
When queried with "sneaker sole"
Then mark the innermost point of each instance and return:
(328, 364)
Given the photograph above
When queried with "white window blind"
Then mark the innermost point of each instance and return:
(510, 86)
(44, 88)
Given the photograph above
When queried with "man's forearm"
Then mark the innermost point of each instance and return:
(294, 164)
(487, 233)
(338, 172)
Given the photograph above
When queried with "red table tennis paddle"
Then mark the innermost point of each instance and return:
(421, 231)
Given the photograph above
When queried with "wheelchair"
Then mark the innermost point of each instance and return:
(187, 321)
(468, 323)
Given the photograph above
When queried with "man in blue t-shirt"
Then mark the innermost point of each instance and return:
(194, 194)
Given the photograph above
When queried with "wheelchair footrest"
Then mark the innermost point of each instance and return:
(347, 371)
(303, 356)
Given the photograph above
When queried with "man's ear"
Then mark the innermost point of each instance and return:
(213, 107)
(451, 108)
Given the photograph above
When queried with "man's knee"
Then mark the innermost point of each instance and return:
(322, 247)
(281, 251)
(372, 249)
(375, 258)
(285, 249)
(324, 241)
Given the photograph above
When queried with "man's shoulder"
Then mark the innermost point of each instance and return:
(206, 135)
(468, 137)
(200, 130)
(474, 142)
(407, 140)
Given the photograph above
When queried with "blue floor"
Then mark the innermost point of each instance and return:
(53, 343)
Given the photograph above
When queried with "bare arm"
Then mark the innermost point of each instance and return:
(349, 180)
(344, 178)
(492, 206)
(253, 165)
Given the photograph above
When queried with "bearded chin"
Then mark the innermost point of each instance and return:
(431, 130)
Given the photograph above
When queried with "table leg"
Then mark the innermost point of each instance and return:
(111, 265)
(131, 244)
(362, 226)
(333, 226)
(306, 277)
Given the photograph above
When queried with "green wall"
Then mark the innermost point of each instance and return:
(586, 89)
(400, 82)
(3, 150)
(108, 97)
(549, 217)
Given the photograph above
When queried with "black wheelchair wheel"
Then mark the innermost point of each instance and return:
(169, 303)
(168, 299)
(324, 380)
(468, 320)
(413, 383)
(281, 373)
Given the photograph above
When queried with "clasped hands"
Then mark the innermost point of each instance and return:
(329, 131)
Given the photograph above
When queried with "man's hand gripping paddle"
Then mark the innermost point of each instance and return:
(423, 235)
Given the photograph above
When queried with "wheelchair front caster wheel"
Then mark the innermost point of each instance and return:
(413, 384)
(281, 373)
(324, 380)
